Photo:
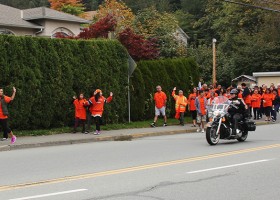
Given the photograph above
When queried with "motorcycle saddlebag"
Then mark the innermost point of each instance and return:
(251, 125)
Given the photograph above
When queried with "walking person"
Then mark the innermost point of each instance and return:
(80, 112)
(96, 104)
(192, 107)
(267, 99)
(160, 99)
(256, 104)
(4, 114)
(201, 108)
(181, 103)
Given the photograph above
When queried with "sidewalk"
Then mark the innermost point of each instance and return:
(114, 135)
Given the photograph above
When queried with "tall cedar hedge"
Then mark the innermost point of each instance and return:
(47, 73)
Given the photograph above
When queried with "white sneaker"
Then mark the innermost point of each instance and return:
(198, 130)
(202, 131)
(4, 139)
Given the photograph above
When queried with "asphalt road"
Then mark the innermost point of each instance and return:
(177, 167)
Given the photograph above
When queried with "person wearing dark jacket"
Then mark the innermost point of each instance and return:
(4, 114)
(246, 95)
(236, 110)
(275, 105)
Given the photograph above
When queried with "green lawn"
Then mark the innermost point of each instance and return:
(138, 124)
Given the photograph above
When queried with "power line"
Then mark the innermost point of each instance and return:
(268, 2)
(249, 5)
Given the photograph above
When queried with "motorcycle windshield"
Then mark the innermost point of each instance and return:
(221, 100)
(221, 103)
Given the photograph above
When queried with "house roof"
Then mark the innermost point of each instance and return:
(265, 74)
(245, 76)
(47, 13)
(10, 16)
(180, 30)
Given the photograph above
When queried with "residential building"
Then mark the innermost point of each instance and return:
(42, 22)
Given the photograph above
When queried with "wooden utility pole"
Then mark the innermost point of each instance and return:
(214, 62)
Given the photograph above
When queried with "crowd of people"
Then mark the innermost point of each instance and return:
(259, 101)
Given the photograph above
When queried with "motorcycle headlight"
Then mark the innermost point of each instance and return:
(217, 113)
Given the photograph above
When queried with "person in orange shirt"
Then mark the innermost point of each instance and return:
(160, 99)
(256, 104)
(80, 112)
(192, 108)
(180, 105)
(4, 114)
(278, 89)
(201, 108)
(207, 93)
(267, 99)
(96, 104)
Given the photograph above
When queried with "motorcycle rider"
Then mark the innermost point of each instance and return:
(236, 110)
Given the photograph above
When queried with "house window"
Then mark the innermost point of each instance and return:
(61, 33)
(4, 31)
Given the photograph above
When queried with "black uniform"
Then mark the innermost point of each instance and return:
(237, 112)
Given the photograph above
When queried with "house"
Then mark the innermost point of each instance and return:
(258, 78)
(181, 36)
(250, 81)
(42, 21)
(267, 78)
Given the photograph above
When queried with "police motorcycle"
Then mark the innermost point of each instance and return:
(220, 125)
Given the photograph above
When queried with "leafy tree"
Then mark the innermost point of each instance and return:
(153, 24)
(119, 10)
(139, 47)
(74, 7)
(99, 29)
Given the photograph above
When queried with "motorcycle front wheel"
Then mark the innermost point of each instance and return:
(243, 137)
(211, 136)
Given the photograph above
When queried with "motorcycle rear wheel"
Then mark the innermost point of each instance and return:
(211, 136)
(243, 137)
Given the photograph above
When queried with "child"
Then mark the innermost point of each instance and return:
(256, 104)
(97, 107)
(80, 112)
(180, 105)
(201, 108)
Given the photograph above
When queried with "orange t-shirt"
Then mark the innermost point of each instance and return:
(268, 99)
(256, 100)
(80, 110)
(7, 100)
(160, 99)
(240, 95)
(202, 106)
(279, 92)
(192, 101)
(97, 108)
(248, 100)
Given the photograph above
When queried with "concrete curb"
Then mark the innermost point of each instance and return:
(127, 137)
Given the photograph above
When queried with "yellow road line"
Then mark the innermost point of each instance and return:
(133, 169)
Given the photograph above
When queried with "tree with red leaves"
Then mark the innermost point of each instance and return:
(138, 47)
(100, 29)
